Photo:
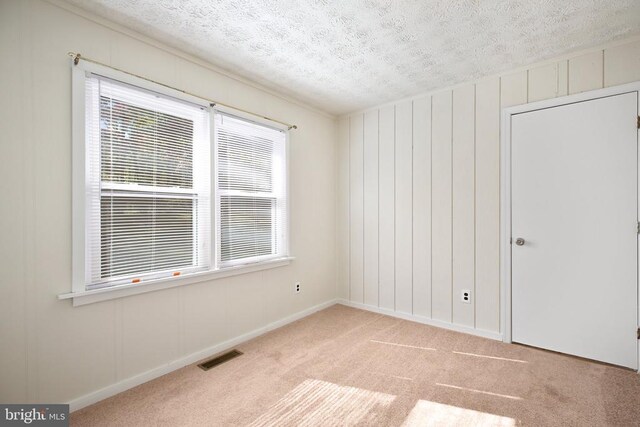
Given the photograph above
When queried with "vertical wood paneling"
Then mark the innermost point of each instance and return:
(28, 185)
(404, 211)
(422, 207)
(432, 187)
(342, 226)
(371, 208)
(543, 82)
(586, 72)
(14, 220)
(140, 313)
(156, 64)
(57, 365)
(356, 208)
(487, 297)
(622, 64)
(441, 208)
(245, 297)
(463, 153)
(204, 309)
(387, 208)
(513, 89)
(563, 78)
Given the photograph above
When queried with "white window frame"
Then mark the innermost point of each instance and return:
(273, 195)
(79, 294)
(199, 191)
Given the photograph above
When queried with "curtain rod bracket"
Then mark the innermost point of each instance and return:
(75, 56)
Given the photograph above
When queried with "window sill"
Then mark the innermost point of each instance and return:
(97, 295)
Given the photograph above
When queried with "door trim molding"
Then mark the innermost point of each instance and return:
(505, 189)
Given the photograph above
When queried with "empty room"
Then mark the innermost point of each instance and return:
(319, 213)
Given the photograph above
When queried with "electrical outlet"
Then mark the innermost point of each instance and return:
(465, 296)
(297, 288)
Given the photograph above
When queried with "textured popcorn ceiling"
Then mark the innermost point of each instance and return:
(346, 55)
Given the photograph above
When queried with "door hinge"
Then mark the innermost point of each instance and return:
(639, 333)
(638, 122)
(638, 229)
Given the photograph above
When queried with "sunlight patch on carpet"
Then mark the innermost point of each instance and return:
(432, 414)
(506, 396)
(393, 376)
(316, 402)
(490, 357)
(403, 345)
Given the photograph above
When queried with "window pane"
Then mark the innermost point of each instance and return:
(143, 146)
(251, 161)
(245, 162)
(145, 234)
(147, 184)
(246, 225)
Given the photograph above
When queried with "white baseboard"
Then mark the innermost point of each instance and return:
(424, 320)
(119, 387)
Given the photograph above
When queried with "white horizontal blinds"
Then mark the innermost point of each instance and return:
(148, 210)
(251, 161)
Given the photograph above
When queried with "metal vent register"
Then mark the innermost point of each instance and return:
(218, 360)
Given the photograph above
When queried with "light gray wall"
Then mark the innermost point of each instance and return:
(53, 352)
(418, 203)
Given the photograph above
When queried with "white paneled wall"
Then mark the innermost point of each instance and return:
(386, 209)
(487, 206)
(356, 208)
(421, 206)
(441, 206)
(424, 181)
(342, 211)
(370, 219)
(463, 189)
(403, 207)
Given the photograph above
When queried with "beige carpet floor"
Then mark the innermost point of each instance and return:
(343, 366)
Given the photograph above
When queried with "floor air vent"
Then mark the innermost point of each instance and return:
(218, 360)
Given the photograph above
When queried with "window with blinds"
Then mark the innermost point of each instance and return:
(147, 173)
(166, 186)
(251, 191)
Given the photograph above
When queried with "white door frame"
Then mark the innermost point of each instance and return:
(505, 190)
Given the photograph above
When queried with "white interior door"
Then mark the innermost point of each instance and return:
(574, 195)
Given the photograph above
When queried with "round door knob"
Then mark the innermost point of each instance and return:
(519, 241)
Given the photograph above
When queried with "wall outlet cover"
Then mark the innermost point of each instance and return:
(465, 296)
